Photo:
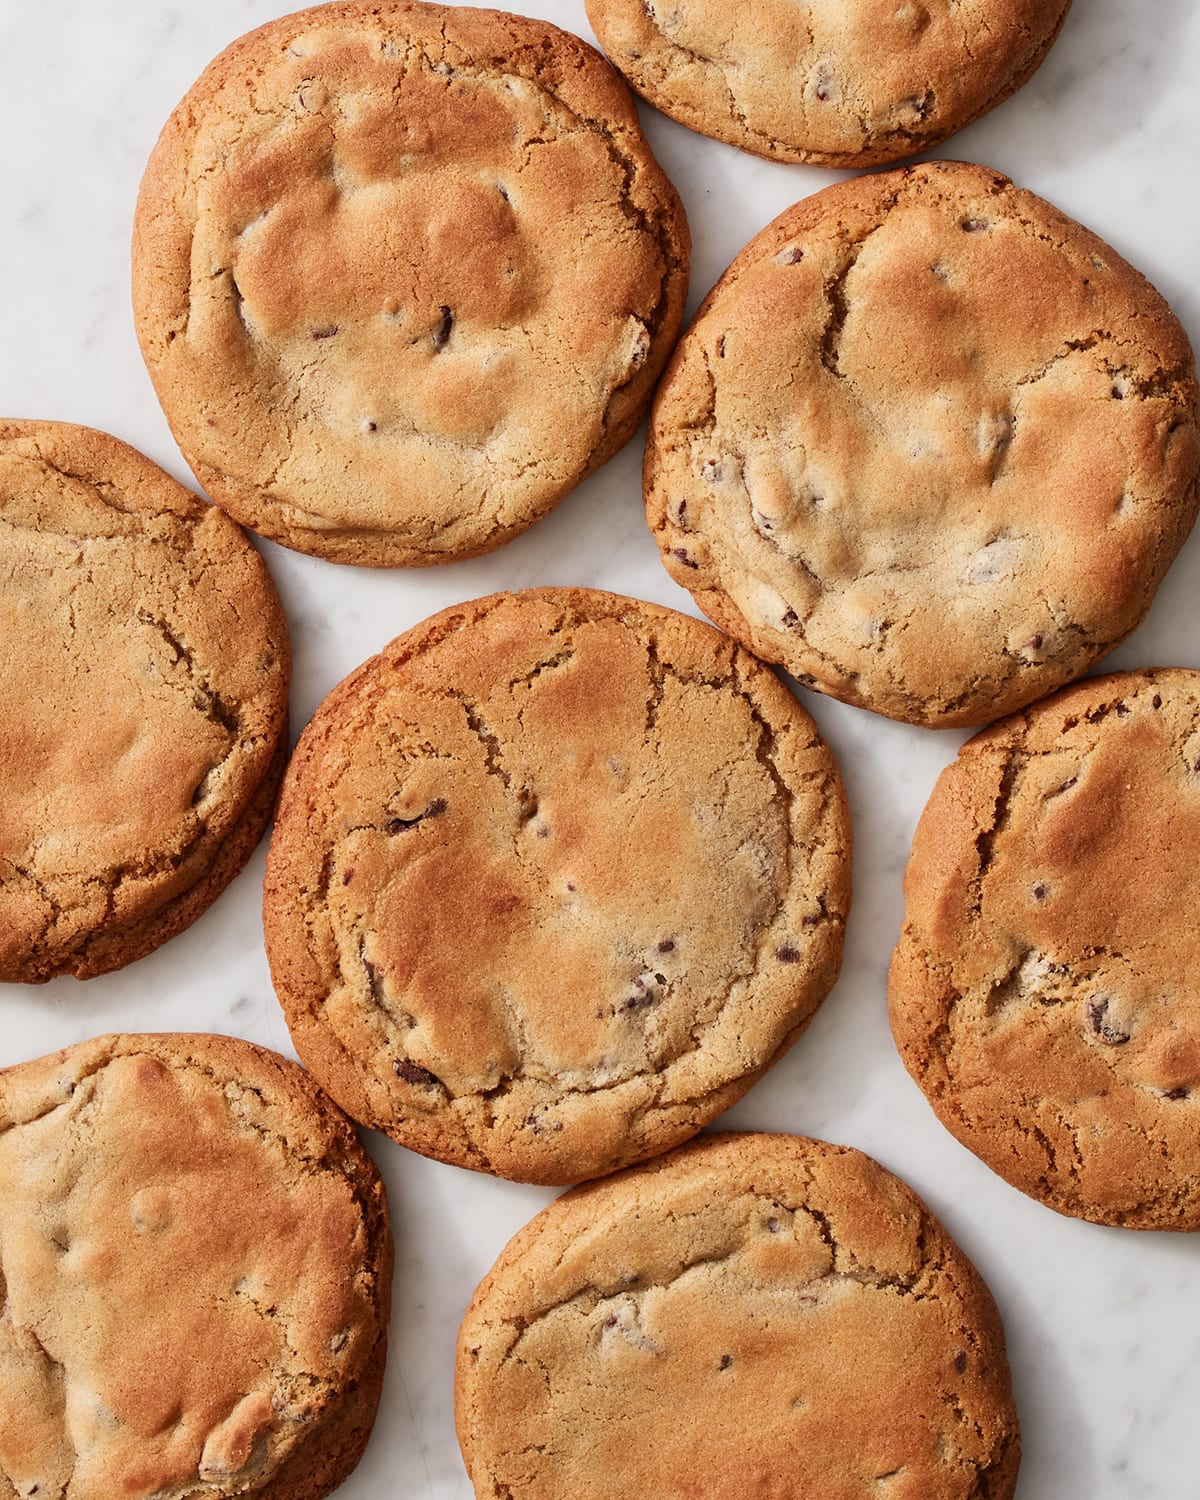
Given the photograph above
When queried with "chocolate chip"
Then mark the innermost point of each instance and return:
(1117, 393)
(433, 809)
(667, 945)
(369, 969)
(610, 1321)
(960, 1362)
(788, 955)
(726, 1361)
(412, 1072)
(683, 557)
(773, 1226)
(441, 334)
(1179, 1093)
(974, 226)
(721, 347)
(1097, 1019)
(790, 619)
(1156, 701)
(325, 333)
(348, 877)
(1034, 642)
(503, 191)
(1039, 892)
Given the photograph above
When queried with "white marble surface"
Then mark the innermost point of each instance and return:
(1104, 1325)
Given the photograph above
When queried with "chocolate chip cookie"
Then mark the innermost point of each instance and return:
(197, 1275)
(1046, 990)
(848, 85)
(403, 275)
(554, 879)
(144, 667)
(928, 444)
(753, 1315)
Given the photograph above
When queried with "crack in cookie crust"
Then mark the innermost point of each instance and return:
(1043, 993)
(555, 879)
(404, 274)
(928, 444)
(776, 1296)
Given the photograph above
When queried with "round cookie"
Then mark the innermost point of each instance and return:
(928, 444)
(554, 879)
(144, 666)
(1045, 993)
(753, 1315)
(197, 1275)
(848, 85)
(403, 275)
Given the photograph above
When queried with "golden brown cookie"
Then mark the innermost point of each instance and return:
(928, 444)
(403, 275)
(1046, 990)
(197, 1275)
(144, 667)
(554, 879)
(847, 85)
(755, 1316)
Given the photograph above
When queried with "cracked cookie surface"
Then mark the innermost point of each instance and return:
(929, 444)
(195, 1276)
(794, 1315)
(403, 275)
(849, 85)
(554, 879)
(1045, 993)
(144, 666)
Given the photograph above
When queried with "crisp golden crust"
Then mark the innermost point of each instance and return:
(554, 879)
(849, 85)
(195, 1275)
(403, 275)
(144, 667)
(761, 1316)
(1045, 993)
(929, 444)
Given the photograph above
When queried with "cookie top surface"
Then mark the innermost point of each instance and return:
(403, 275)
(928, 443)
(848, 85)
(1046, 989)
(803, 1321)
(197, 1265)
(553, 880)
(144, 670)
